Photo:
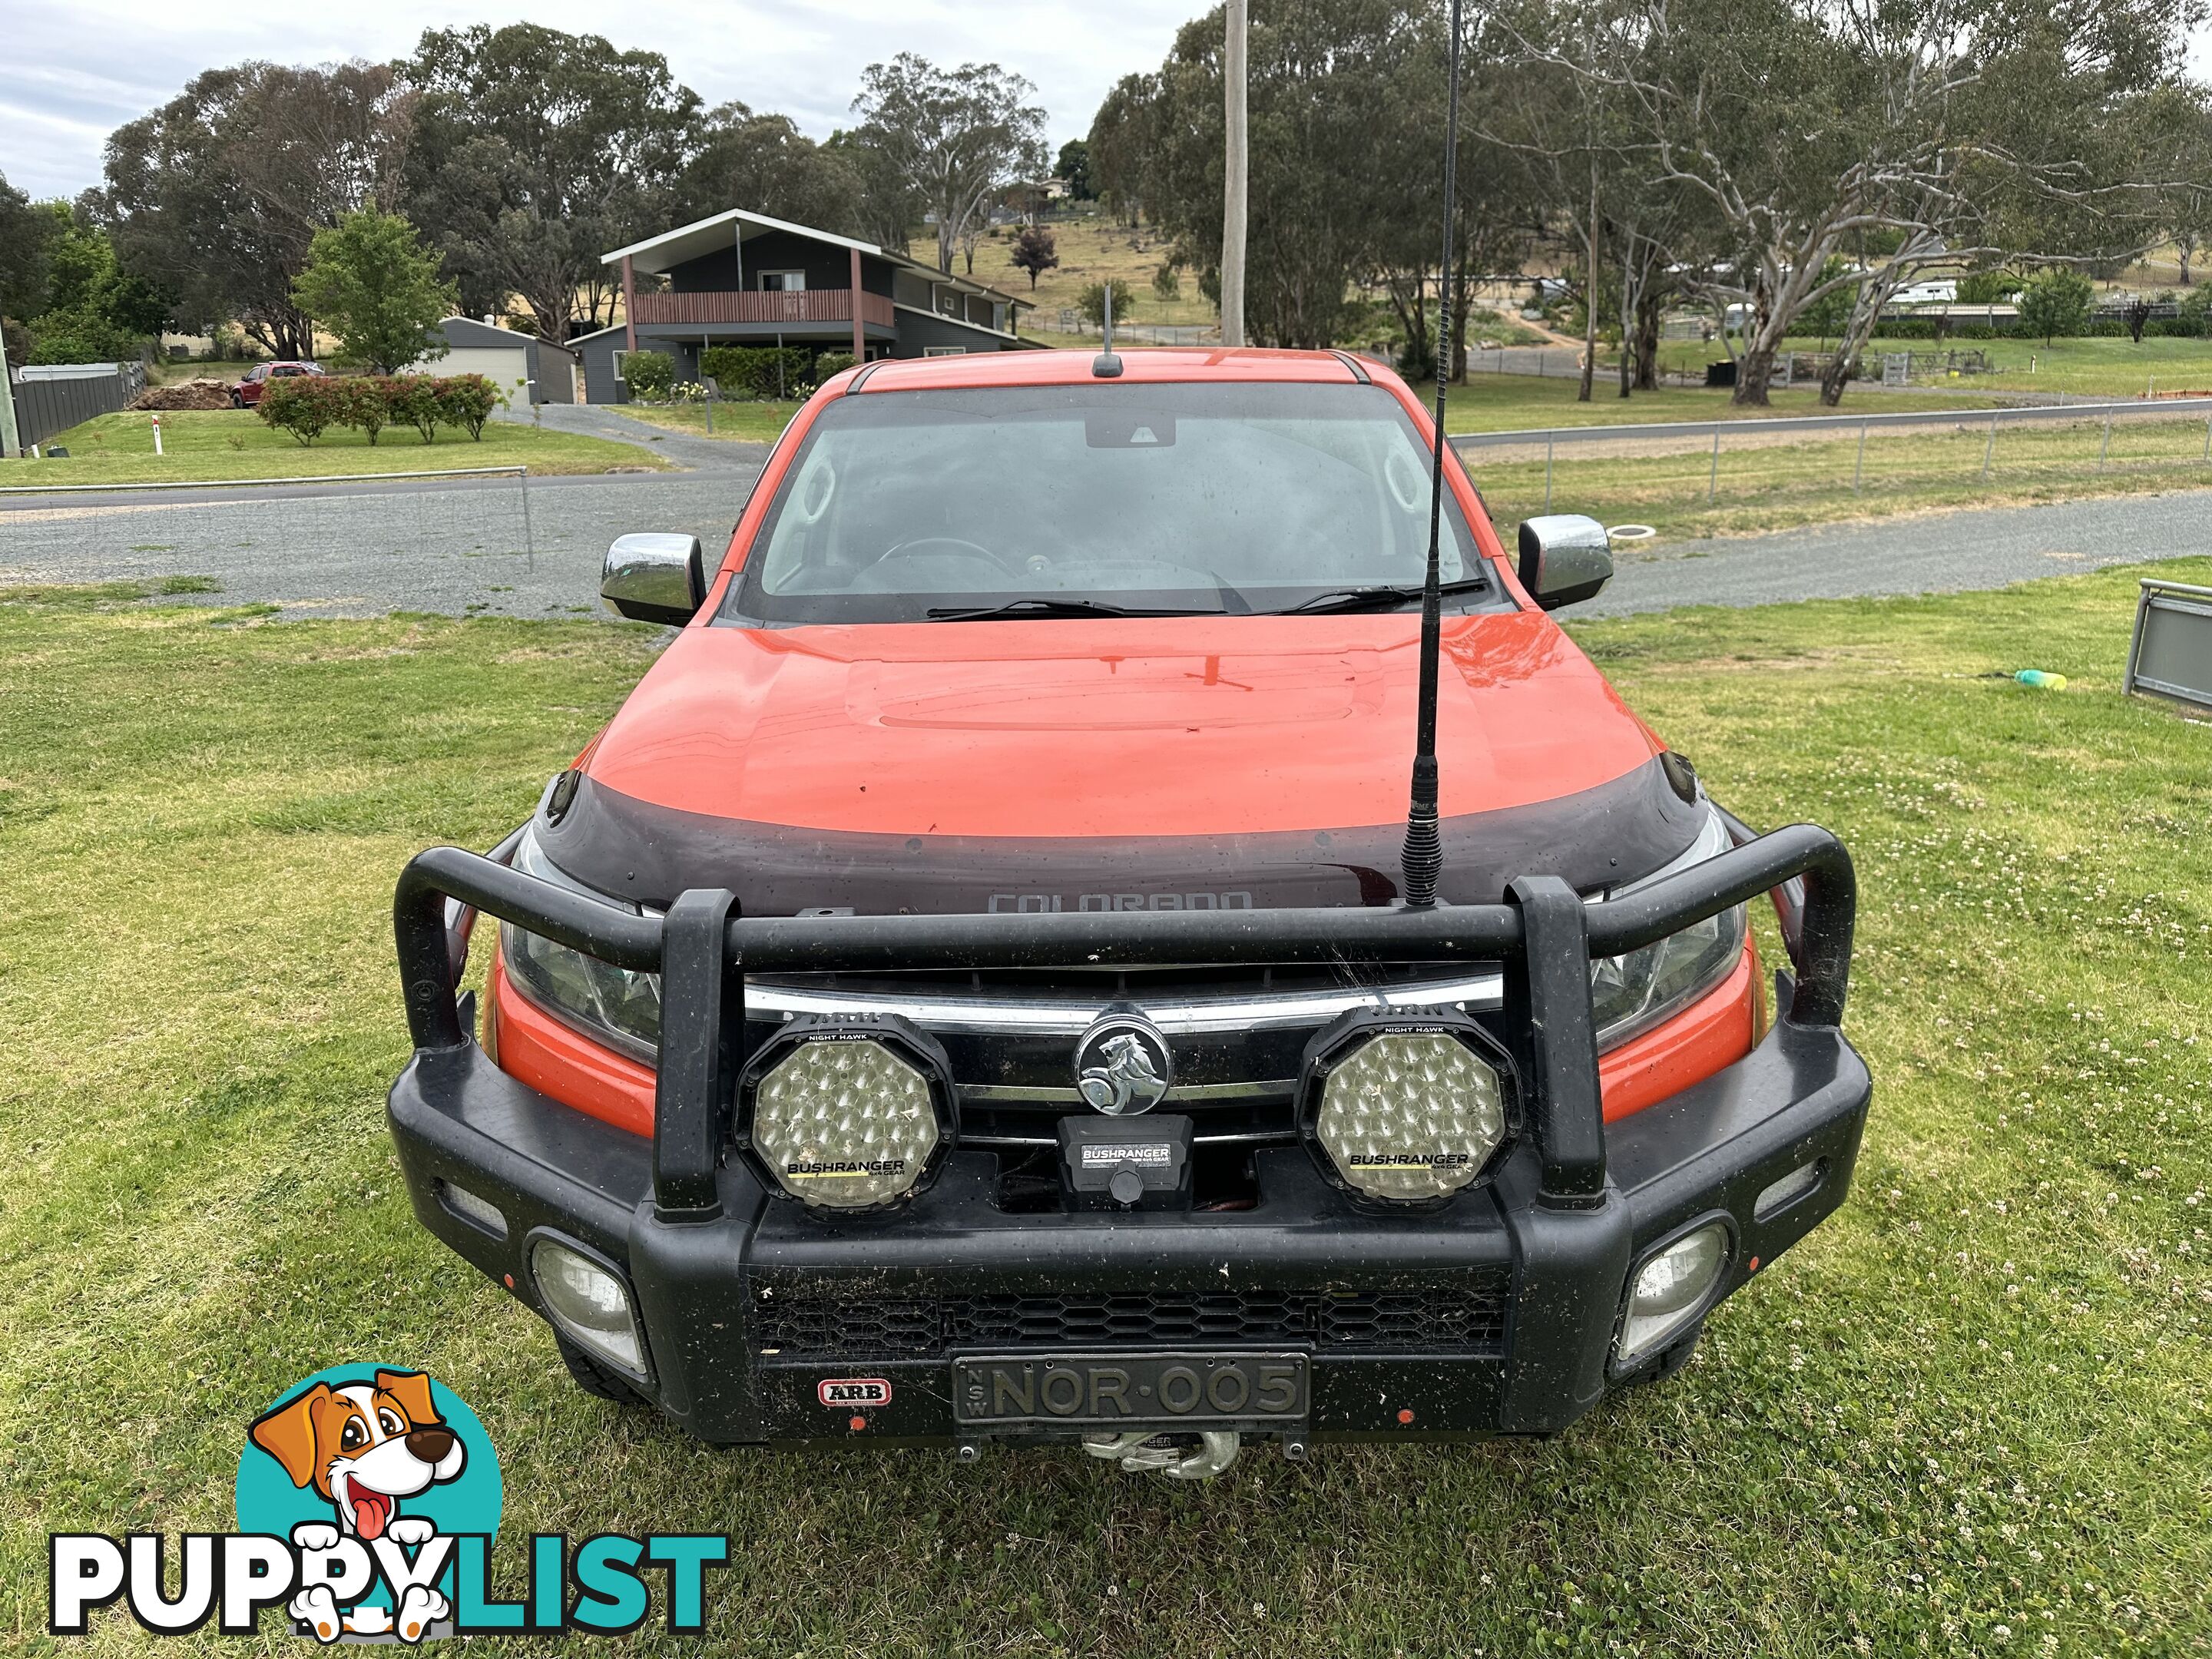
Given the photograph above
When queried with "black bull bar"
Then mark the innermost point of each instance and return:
(1544, 937)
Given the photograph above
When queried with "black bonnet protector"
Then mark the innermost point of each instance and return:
(647, 853)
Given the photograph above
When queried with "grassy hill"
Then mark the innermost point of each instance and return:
(1091, 250)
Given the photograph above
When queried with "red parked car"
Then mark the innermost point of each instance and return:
(247, 392)
(1036, 757)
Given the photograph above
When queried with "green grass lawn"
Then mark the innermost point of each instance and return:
(1967, 1416)
(741, 421)
(2117, 368)
(1767, 486)
(233, 443)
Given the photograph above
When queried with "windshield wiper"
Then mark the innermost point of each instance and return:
(1378, 598)
(1041, 607)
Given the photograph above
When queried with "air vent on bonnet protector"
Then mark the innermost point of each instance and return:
(1461, 1312)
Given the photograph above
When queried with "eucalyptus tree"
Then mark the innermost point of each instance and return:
(26, 232)
(1335, 100)
(1121, 147)
(536, 151)
(956, 138)
(761, 161)
(1808, 129)
(1497, 217)
(215, 196)
(2184, 123)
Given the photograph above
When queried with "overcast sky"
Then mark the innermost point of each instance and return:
(78, 69)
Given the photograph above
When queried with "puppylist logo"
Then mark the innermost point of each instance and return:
(369, 1498)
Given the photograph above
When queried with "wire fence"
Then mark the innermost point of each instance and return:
(1067, 321)
(1562, 362)
(1752, 473)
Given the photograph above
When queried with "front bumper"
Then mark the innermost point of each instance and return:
(1495, 1314)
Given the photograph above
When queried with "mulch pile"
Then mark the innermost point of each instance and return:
(187, 394)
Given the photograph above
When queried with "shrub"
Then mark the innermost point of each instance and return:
(364, 401)
(413, 401)
(837, 362)
(1986, 288)
(305, 405)
(1165, 282)
(2055, 302)
(467, 401)
(756, 371)
(1091, 303)
(648, 374)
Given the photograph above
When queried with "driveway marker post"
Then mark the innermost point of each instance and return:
(2105, 447)
(1713, 479)
(1549, 437)
(1988, 448)
(1858, 471)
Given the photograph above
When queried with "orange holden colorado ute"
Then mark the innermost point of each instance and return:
(979, 987)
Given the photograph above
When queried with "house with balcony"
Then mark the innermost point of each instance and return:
(743, 278)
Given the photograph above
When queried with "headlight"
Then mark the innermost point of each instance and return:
(1631, 994)
(608, 1004)
(847, 1112)
(1670, 1290)
(1405, 1109)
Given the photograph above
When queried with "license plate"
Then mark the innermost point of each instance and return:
(1109, 1390)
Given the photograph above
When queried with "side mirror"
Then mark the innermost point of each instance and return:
(654, 578)
(1565, 559)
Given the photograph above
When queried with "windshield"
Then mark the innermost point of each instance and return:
(1090, 499)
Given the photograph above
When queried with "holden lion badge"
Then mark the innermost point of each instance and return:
(1122, 1065)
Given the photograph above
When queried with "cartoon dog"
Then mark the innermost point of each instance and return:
(363, 1447)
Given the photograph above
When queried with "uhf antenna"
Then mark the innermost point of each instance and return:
(1423, 858)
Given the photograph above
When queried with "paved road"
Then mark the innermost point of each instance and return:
(1940, 552)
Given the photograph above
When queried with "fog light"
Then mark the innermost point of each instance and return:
(1405, 1111)
(1670, 1290)
(848, 1112)
(589, 1301)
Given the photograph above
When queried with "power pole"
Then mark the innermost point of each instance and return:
(1236, 178)
(9, 445)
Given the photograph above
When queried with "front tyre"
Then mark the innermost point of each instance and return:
(596, 1379)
